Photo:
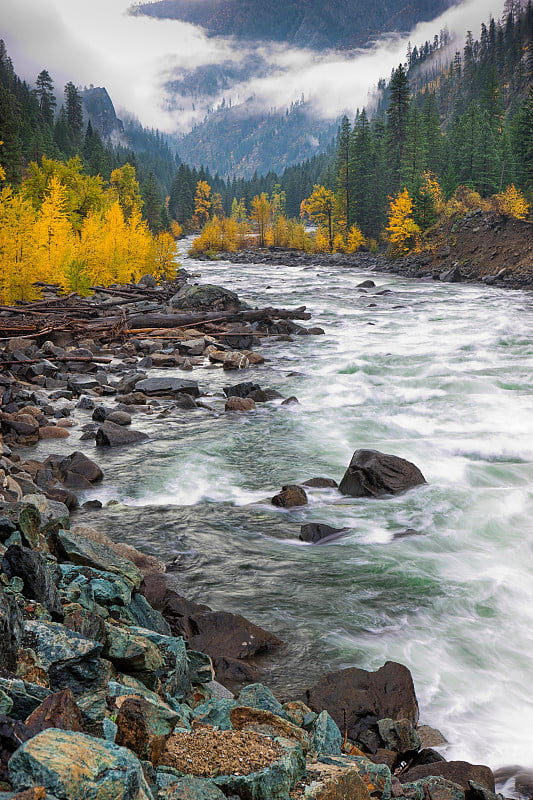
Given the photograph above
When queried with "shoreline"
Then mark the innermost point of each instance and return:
(87, 558)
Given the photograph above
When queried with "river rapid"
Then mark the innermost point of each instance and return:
(437, 373)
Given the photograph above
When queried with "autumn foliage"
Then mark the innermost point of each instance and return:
(67, 228)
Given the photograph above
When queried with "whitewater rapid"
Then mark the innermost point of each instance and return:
(437, 373)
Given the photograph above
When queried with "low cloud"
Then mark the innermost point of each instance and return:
(136, 58)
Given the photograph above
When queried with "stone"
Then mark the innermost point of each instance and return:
(334, 779)
(25, 696)
(191, 788)
(79, 464)
(54, 514)
(459, 772)
(290, 497)
(368, 284)
(399, 735)
(300, 714)
(239, 404)
(258, 696)
(59, 710)
(12, 734)
(241, 389)
(376, 777)
(207, 296)
(74, 766)
(87, 623)
(317, 531)
(53, 432)
(436, 787)
(23, 517)
(235, 360)
(109, 434)
(200, 667)
(39, 585)
(220, 633)
(192, 347)
(144, 727)
(372, 474)
(72, 662)
(430, 737)
(326, 738)
(143, 615)
(119, 418)
(452, 275)
(215, 713)
(321, 483)
(167, 385)
(69, 546)
(365, 696)
(130, 651)
(11, 630)
(244, 718)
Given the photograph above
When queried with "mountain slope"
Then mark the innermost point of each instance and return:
(305, 23)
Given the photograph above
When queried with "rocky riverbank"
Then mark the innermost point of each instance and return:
(114, 685)
(482, 247)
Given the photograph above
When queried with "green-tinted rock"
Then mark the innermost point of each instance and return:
(377, 776)
(437, 787)
(68, 546)
(131, 651)
(6, 703)
(271, 783)
(93, 706)
(139, 612)
(200, 667)
(73, 766)
(258, 696)
(326, 738)
(54, 514)
(216, 713)
(336, 780)
(399, 735)
(25, 696)
(191, 788)
(175, 671)
(71, 661)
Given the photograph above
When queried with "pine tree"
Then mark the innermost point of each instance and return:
(397, 121)
(45, 94)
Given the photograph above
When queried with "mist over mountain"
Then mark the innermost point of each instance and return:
(308, 23)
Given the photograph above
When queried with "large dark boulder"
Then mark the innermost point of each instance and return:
(111, 435)
(206, 297)
(39, 585)
(372, 474)
(290, 496)
(167, 385)
(12, 734)
(314, 532)
(241, 389)
(460, 772)
(11, 629)
(365, 697)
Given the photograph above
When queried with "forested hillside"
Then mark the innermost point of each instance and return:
(311, 23)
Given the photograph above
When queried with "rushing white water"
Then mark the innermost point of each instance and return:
(439, 374)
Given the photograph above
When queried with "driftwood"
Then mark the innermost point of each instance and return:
(83, 359)
(155, 320)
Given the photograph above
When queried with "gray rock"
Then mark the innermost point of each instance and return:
(39, 585)
(372, 474)
(207, 296)
(11, 628)
(109, 434)
(170, 385)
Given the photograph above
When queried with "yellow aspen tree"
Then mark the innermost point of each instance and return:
(403, 230)
(355, 239)
(124, 187)
(512, 203)
(90, 249)
(17, 248)
(202, 204)
(164, 265)
(319, 208)
(53, 235)
(339, 245)
(262, 215)
(321, 241)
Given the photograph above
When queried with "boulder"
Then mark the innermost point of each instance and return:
(241, 389)
(12, 734)
(59, 710)
(24, 696)
(317, 531)
(399, 735)
(119, 418)
(438, 789)
(366, 697)
(131, 651)
(77, 463)
(452, 275)
(39, 585)
(167, 385)
(244, 718)
(326, 738)
(208, 297)
(144, 727)
(459, 772)
(258, 696)
(289, 497)
(53, 432)
(22, 517)
(191, 788)
(74, 766)
(334, 779)
(11, 629)
(109, 434)
(372, 474)
(69, 546)
(215, 713)
(235, 360)
(240, 404)
(71, 661)
(321, 483)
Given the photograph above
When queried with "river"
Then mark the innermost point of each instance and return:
(437, 373)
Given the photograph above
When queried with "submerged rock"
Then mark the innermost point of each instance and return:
(167, 385)
(317, 531)
(290, 497)
(109, 434)
(372, 474)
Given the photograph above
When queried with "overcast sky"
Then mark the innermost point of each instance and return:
(98, 43)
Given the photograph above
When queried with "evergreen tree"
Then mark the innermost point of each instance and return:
(45, 94)
(397, 120)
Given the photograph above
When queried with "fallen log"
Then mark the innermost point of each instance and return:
(83, 359)
(155, 320)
